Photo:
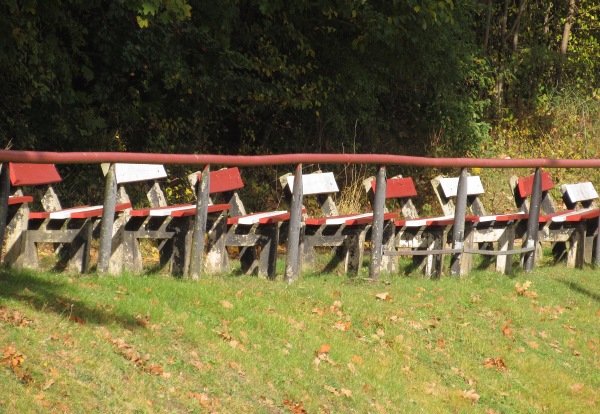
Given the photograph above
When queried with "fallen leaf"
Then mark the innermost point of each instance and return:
(497, 363)
(226, 304)
(324, 349)
(471, 395)
(357, 359)
(331, 389)
(346, 392)
(294, 408)
(383, 296)
(506, 331)
(577, 387)
(342, 326)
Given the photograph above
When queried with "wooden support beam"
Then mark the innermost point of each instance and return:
(533, 222)
(108, 218)
(197, 248)
(378, 224)
(458, 230)
(292, 262)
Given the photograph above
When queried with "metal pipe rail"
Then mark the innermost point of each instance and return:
(292, 269)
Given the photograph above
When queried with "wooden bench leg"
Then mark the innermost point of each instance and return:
(389, 264)
(79, 249)
(268, 253)
(355, 247)
(576, 251)
(132, 255)
(28, 254)
(216, 256)
(15, 228)
(179, 247)
(506, 242)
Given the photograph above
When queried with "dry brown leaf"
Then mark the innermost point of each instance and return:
(357, 359)
(497, 363)
(48, 384)
(506, 331)
(342, 326)
(346, 392)
(294, 408)
(471, 395)
(318, 311)
(324, 349)
(331, 389)
(226, 304)
(577, 387)
(383, 296)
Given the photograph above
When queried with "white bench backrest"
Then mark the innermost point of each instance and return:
(131, 173)
(450, 186)
(580, 192)
(317, 183)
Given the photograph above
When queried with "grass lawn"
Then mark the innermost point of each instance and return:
(486, 343)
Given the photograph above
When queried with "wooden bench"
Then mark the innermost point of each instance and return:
(483, 229)
(257, 234)
(170, 224)
(71, 226)
(573, 228)
(346, 233)
(426, 239)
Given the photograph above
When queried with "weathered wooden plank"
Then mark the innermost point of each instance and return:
(131, 173)
(579, 192)
(317, 183)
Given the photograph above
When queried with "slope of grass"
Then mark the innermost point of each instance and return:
(324, 344)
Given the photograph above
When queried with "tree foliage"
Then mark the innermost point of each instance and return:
(257, 76)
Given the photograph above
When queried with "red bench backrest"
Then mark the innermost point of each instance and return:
(398, 188)
(525, 184)
(228, 179)
(33, 174)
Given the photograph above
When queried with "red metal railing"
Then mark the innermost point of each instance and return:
(281, 159)
(380, 160)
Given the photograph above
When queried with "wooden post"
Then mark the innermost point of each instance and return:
(4, 194)
(378, 224)
(292, 260)
(108, 219)
(458, 232)
(597, 250)
(533, 222)
(197, 249)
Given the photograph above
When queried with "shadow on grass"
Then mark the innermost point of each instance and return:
(48, 296)
(579, 289)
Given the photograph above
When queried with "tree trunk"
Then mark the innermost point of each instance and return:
(567, 29)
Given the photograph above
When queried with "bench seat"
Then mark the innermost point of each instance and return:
(576, 215)
(260, 218)
(80, 212)
(12, 200)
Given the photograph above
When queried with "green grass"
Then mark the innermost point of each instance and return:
(235, 344)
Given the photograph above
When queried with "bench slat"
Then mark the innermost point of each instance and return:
(318, 183)
(580, 192)
(255, 218)
(33, 174)
(525, 185)
(398, 187)
(132, 173)
(12, 200)
(450, 186)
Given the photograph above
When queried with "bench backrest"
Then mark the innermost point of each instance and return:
(397, 188)
(319, 184)
(522, 187)
(580, 193)
(446, 190)
(132, 173)
(23, 174)
(226, 182)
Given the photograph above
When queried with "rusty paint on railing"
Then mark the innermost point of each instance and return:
(283, 159)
